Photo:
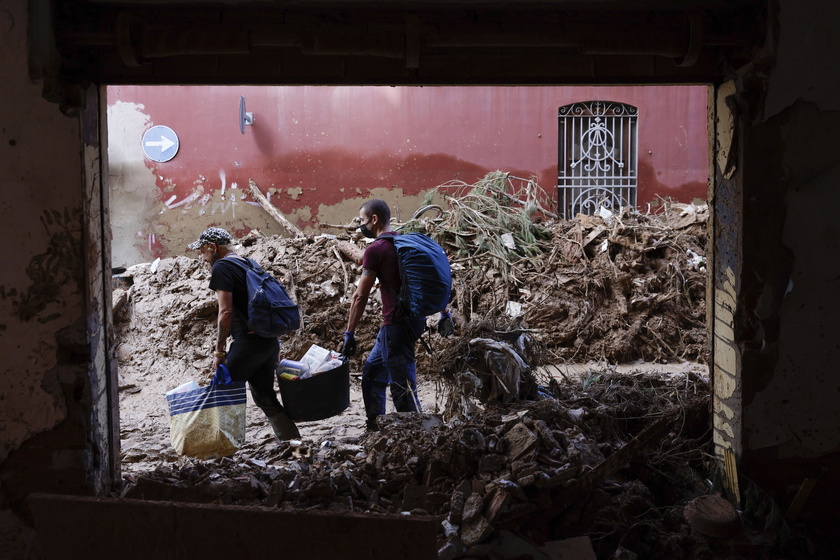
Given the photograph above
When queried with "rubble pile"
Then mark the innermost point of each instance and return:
(614, 287)
(616, 459)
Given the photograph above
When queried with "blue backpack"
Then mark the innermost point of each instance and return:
(425, 274)
(271, 312)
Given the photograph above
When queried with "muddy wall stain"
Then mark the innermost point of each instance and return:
(312, 147)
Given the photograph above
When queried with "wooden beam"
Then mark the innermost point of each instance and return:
(87, 527)
(274, 212)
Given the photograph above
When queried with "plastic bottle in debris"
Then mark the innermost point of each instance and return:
(294, 368)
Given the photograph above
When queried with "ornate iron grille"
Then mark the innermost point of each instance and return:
(598, 159)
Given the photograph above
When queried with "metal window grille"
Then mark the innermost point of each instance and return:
(598, 158)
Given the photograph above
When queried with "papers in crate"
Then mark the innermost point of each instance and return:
(320, 359)
(208, 421)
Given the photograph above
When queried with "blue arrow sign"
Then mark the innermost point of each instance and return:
(160, 143)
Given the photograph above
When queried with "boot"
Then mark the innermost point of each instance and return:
(371, 425)
(283, 427)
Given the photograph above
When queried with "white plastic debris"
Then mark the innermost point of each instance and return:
(507, 239)
(448, 528)
(513, 309)
(606, 214)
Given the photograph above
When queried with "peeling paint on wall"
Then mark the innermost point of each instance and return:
(727, 207)
(726, 153)
(135, 194)
(41, 296)
(54, 282)
(726, 364)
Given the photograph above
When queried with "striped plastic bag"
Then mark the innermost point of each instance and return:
(209, 421)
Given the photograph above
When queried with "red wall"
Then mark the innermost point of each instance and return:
(341, 141)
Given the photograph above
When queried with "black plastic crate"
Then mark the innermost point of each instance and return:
(323, 395)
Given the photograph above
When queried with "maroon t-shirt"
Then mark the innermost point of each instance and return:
(381, 258)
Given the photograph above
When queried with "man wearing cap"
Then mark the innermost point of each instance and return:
(251, 357)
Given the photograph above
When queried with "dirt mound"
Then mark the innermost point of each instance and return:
(616, 287)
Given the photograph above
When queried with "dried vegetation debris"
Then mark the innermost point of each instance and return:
(615, 287)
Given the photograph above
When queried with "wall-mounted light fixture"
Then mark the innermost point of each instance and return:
(244, 118)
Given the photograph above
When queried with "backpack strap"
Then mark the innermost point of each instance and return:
(246, 263)
(389, 236)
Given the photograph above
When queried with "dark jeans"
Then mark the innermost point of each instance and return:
(254, 359)
(392, 362)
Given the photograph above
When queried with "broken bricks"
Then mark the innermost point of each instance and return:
(520, 441)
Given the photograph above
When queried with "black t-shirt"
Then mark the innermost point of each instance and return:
(230, 277)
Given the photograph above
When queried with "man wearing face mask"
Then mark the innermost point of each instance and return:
(391, 361)
(251, 357)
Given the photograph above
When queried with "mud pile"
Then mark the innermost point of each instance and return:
(614, 288)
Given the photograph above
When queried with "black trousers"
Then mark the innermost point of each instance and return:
(254, 359)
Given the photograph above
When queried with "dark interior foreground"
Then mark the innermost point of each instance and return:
(772, 309)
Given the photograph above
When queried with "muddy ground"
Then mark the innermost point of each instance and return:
(573, 400)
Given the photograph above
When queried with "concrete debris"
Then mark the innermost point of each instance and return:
(433, 468)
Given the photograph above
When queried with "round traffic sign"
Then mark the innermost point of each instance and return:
(160, 143)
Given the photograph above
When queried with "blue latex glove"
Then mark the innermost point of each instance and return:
(349, 346)
(222, 376)
(445, 326)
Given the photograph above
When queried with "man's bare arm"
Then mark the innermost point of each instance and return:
(360, 298)
(225, 318)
